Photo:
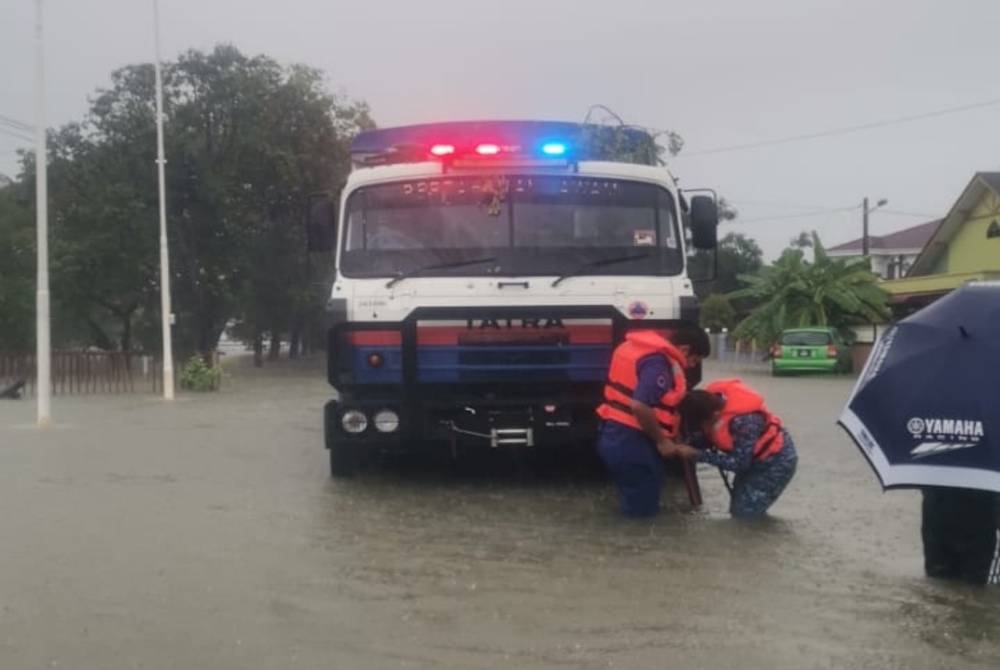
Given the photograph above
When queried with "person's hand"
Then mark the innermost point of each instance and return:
(667, 448)
(686, 451)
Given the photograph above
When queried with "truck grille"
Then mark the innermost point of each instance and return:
(514, 354)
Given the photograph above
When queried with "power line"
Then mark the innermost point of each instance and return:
(780, 205)
(918, 215)
(843, 130)
(797, 216)
(819, 209)
(20, 125)
(14, 133)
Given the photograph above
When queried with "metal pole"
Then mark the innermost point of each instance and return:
(725, 480)
(306, 323)
(691, 482)
(166, 314)
(43, 343)
(864, 228)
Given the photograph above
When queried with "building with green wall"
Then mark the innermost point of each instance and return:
(964, 247)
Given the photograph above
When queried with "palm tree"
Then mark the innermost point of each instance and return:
(792, 293)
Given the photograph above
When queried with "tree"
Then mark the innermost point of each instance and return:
(738, 255)
(792, 292)
(628, 144)
(803, 240)
(17, 266)
(247, 141)
(258, 138)
(726, 211)
(717, 314)
(104, 231)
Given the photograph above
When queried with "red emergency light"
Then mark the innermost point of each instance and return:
(442, 149)
(488, 149)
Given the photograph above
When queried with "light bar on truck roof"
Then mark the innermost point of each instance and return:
(539, 143)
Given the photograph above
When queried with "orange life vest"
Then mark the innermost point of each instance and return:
(623, 379)
(741, 399)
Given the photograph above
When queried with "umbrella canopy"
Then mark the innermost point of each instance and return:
(926, 408)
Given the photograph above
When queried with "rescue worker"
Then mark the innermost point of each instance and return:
(640, 414)
(736, 432)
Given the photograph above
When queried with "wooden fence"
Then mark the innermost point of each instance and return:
(86, 372)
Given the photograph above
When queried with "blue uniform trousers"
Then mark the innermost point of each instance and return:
(635, 466)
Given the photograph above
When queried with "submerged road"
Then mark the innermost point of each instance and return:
(207, 534)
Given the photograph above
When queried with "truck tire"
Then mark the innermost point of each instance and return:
(343, 454)
(343, 459)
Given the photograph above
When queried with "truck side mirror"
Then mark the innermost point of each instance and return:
(704, 217)
(321, 223)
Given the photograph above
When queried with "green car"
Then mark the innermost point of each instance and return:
(810, 350)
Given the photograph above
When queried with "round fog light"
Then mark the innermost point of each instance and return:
(354, 421)
(386, 421)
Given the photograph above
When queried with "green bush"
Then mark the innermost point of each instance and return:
(197, 376)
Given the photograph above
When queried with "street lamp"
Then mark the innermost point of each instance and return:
(166, 315)
(43, 343)
(866, 210)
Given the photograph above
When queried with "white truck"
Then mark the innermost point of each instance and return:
(484, 273)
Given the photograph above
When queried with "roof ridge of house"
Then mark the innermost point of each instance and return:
(856, 243)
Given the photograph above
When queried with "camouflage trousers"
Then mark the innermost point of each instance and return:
(755, 490)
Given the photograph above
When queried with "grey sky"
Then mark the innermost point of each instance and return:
(719, 73)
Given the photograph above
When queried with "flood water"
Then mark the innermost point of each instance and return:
(207, 534)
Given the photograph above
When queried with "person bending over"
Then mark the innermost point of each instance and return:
(736, 432)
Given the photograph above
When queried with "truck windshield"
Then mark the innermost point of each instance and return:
(531, 225)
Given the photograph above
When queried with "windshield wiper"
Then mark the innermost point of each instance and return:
(438, 266)
(600, 263)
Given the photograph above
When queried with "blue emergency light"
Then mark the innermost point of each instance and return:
(554, 148)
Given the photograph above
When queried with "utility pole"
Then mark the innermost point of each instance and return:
(166, 314)
(43, 342)
(865, 211)
(864, 228)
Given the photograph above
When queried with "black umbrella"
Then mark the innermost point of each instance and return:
(926, 409)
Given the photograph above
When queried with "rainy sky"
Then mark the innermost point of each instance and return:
(720, 73)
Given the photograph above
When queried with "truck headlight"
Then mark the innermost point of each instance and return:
(354, 421)
(386, 421)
